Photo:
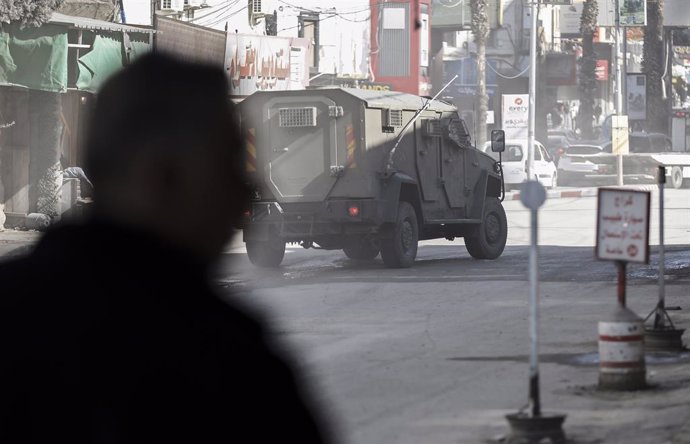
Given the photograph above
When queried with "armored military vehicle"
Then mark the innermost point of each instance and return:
(367, 172)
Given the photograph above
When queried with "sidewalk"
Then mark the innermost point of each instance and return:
(11, 240)
(580, 192)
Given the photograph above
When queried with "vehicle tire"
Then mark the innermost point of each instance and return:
(266, 254)
(361, 250)
(676, 177)
(488, 239)
(399, 250)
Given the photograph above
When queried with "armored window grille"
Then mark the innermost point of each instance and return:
(297, 117)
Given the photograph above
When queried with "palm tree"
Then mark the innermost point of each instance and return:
(46, 107)
(653, 66)
(587, 81)
(480, 29)
(31, 13)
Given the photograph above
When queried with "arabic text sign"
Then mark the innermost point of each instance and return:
(515, 115)
(619, 135)
(263, 63)
(623, 225)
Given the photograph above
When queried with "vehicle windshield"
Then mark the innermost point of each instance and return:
(513, 153)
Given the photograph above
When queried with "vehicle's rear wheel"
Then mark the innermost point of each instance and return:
(399, 249)
(488, 239)
(361, 249)
(266, 254)
(676, 177)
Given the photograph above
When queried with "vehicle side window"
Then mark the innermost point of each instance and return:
(513, 153)
(544, 153)
(537, 152)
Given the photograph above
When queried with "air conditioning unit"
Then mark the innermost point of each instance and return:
(392, 118)
(258, 9)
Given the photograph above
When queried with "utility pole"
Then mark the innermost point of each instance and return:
(619, 89)
(532, 90)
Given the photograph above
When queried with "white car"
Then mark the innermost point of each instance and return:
(580, 165)
(515, 163)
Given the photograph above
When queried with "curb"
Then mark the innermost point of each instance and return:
(582, 192)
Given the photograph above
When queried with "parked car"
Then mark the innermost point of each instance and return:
(558, 141)
(649, 143)
(515, 163)
(583, 164)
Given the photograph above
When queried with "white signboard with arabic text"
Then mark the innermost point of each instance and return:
(515, 112)
(264, 63)
(623, 225)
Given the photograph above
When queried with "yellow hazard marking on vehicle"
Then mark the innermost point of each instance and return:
(251, 149)
(351, 146)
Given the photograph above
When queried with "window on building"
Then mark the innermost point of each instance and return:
(166, 4)
(186, 2)
(308, 27)
(189, 14)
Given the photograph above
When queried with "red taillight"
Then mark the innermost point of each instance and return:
(353, 210)
(248, 213)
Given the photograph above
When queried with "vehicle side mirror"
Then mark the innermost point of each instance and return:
(498, 141)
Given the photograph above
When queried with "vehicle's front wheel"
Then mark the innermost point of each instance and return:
(677, 177)
(399, 248)
(266, 254)
(361, 249)
(488, 239)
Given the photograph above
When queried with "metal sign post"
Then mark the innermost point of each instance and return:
(659, 321)
(537, 426)
(533, 196)
(622, 236)
(662, 336)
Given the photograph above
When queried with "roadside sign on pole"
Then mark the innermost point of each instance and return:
(622, 236)
(623, 225)
(633, 12)
(619, 135)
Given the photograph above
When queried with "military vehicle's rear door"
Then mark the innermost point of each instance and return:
(303, 146)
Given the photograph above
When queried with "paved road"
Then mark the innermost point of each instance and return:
(437, 353)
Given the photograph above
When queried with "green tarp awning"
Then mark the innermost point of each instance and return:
(37, 57)
(107, 56)
(34, 57)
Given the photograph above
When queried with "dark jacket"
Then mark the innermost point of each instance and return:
(109, 336)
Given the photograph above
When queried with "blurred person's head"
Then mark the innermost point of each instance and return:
(165, 153)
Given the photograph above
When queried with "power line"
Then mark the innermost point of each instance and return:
(226, 17)
(221, 9)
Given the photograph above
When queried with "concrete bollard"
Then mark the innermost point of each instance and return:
(621, 352)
